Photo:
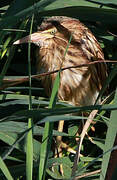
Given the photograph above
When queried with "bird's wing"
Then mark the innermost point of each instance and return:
(93, 51)
(91, 46)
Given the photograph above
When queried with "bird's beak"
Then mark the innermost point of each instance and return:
(36, 38)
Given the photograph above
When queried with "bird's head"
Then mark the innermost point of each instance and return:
(39, 38)
(56, 28)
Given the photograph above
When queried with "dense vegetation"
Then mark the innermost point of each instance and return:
(28, 117)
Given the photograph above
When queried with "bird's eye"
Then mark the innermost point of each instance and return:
(53, 32)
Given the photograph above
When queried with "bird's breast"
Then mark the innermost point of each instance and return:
(77, 85)
(77, 89)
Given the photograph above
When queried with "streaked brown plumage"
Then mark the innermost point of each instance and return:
(78, 86)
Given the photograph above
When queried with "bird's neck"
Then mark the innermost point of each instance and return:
(50, 59)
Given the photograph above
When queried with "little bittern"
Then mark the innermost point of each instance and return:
(78, 86)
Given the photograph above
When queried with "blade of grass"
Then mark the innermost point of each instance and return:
(5, 170)
(29, 152)
(29, 149)
(47, 112)
(47, 137)
(110, 138)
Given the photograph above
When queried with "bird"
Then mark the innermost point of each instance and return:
(78, 86)
(63, 42)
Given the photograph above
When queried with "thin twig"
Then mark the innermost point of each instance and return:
(21, 80)
(85, 128)
(88, 174)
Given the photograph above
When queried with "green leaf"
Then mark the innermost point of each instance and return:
(84, 13)
(47, 137)
(47, 112)
(29, 145)
(99, 143)
(5, 170)
(29, 152)
(110, 138)
(58, 118)
(20, 127)
(12, 138)
(111, 3)
(71, 3)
